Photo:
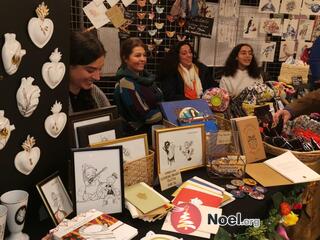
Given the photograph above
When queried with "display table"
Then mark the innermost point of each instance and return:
(248, 207)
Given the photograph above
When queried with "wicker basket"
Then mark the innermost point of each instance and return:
(140, 170)
(312, 159)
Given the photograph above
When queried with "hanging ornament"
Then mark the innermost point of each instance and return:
(40, 29)
(53, 72)
(159, 25)
(11, 53)
(5, 130)
(55, 123)
(27, 97)
(26, 160)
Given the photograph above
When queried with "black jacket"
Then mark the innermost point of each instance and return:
(172, 84)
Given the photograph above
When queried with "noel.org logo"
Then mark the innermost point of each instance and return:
(186, 218)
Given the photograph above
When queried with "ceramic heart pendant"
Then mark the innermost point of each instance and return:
(53, 72)
(5, 130)
(55, 123)
(26, 160)
(40, 29)
(27, 97)
(11, 53)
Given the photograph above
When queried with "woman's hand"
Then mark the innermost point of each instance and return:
(285, 114)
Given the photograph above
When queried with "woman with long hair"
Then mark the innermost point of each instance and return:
(87, 56)
(136, 94)
(181, 76)
(240, 71)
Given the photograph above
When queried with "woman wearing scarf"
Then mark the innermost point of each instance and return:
(136, 94)
(182, 77)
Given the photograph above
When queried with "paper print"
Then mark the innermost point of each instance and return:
(96, 14)
(286, 50)
(290, 6)
(251, 26)
(229, 8)
(270, 26)
(302, 45)
(269, 6)
(310, 7)
(268, 51)
(305, 29)
(289, 29)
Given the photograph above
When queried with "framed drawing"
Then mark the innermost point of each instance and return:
(180, 148)
(85, 118)
(99, 132)
(134, 147)
(98, 179)
(55, 198)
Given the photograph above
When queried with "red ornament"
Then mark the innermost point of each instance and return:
(285, 208)
(297, 206)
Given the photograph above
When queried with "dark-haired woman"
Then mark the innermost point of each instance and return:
(181, 76)
(241, 70)
(86, 61)
(136, 94)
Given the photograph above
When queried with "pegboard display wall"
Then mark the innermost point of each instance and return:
(156, 53)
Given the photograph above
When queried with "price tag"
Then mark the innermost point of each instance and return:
(224, 137)
(170, 179)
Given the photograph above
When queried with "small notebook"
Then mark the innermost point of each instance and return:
(144, 197)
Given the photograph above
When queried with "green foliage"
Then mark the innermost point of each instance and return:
(222, 235)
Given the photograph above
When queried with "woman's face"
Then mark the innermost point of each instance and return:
(244, 57)
(185, 56)
(83, 76)
(137, 59)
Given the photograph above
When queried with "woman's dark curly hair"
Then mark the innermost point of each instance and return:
(171, 62)
(231, 64)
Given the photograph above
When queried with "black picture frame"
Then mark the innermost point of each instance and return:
(55, 198)
(85, 132)
(98, 179)
(88, 117)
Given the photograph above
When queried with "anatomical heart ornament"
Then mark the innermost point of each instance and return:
(40, 29)
(11, 53)
(26, 160)
(27, 97)
(53, 72)
(55, 123)
(5, 130)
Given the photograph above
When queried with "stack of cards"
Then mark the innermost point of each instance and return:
(145, 203)
(202, 195)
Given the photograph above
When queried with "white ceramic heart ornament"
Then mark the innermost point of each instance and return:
(53, 72)
(27, 97)
(40, 29)
(5, 130)
(26, 160)
(55, 123)
(11, 53)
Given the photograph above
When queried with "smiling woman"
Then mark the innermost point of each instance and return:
(241, 70)
(136, 94)
(86, 61)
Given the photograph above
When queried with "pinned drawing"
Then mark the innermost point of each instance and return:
(269, 6)
(310, 7)
(305, 29)
(250, 27)
(268, 51)
(290, 6)
(289, 29)
(270, 26)
(286, 50)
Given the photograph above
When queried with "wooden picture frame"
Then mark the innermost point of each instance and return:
(98, 179)
(55, 198)
(134, 147)
(99, 132)
(180, 148)
(84, 118)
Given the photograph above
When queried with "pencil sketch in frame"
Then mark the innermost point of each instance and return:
(180, 148)
(99, 132)
(83, 118)
(133, 147)
(98, 179)
(55, 197)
